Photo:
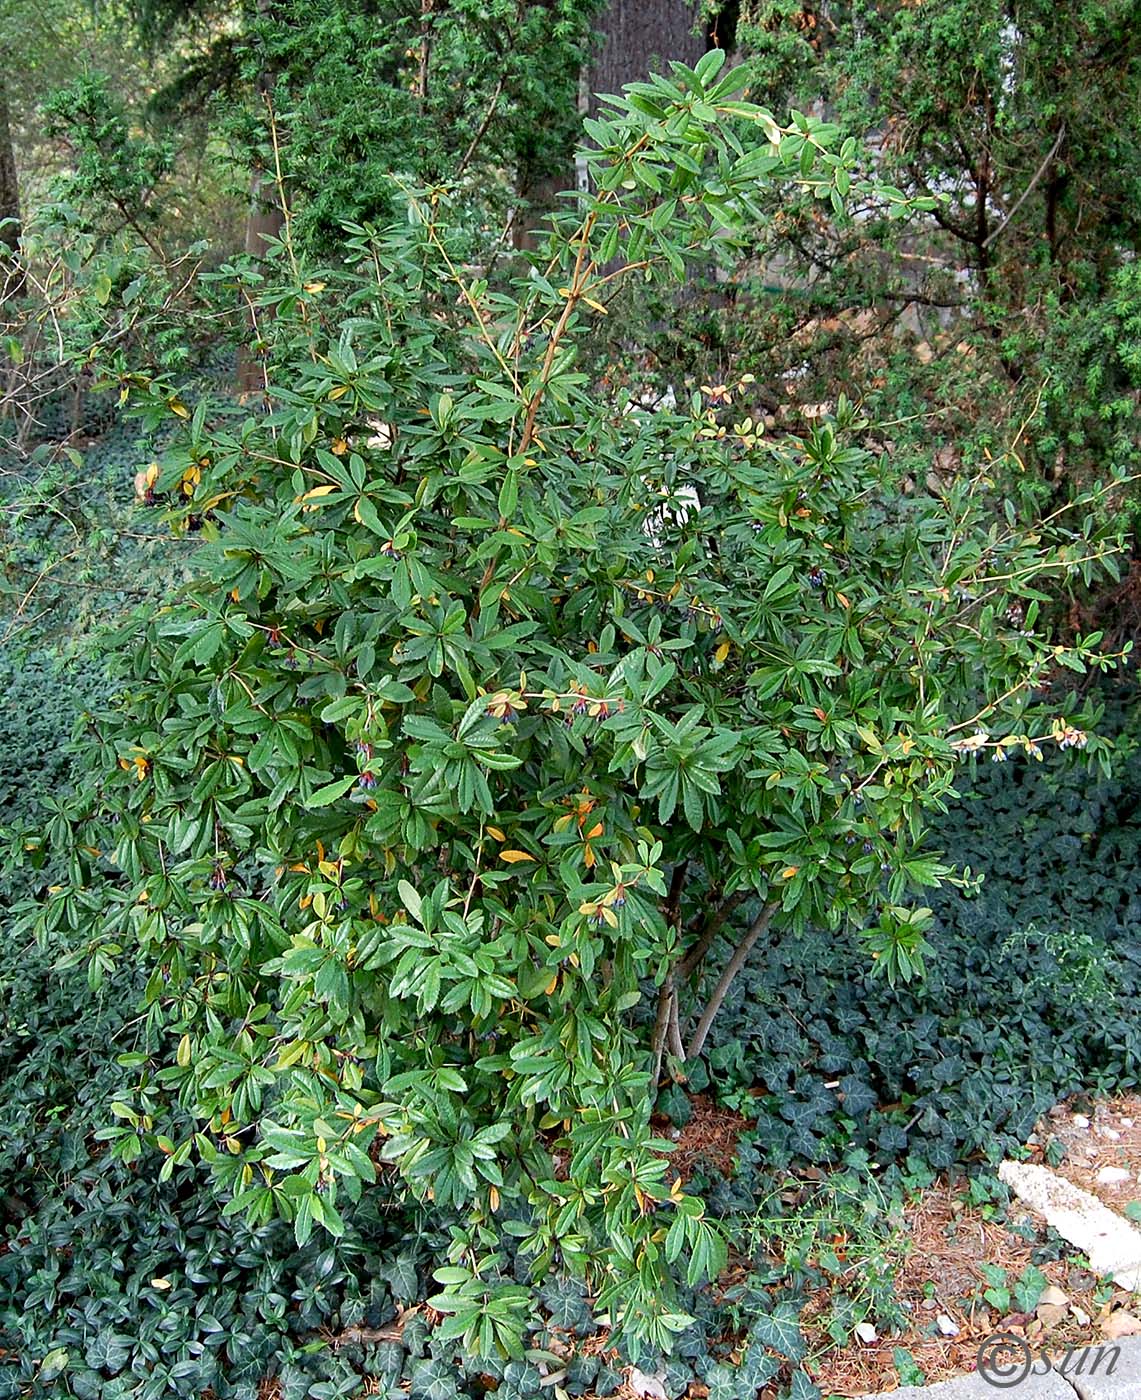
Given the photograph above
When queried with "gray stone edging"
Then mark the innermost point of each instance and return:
(1109, 1371)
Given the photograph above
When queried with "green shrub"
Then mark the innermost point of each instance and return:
(494, 702)
(958, 1067)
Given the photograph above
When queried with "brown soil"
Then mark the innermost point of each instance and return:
(947, 1242)
(1094, 1138)
(709, 1140)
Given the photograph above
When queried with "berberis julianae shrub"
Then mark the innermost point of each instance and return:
(498, 705)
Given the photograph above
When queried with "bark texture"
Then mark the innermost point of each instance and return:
(11, 276)
(264, 222)
(639, 36)
(634, 38)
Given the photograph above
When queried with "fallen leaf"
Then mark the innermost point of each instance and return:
(647, 1387)
(1121, 1324)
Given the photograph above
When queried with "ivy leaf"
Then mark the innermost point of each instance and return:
(803, 1387)
(780, 1330)
(401, 1276)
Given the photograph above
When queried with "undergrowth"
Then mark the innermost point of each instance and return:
(113, 1285)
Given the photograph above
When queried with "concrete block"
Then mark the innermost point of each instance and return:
(1110, 1371)
(1039, 1384)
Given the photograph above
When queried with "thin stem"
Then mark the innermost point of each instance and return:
(482, 131)
(673, 1031)
(712, 926)
(1061, 136)
(725, 981)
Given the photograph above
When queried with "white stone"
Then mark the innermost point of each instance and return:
(1080, 1120)
(1109, 1241)
(947, 1326)
(866, 1333)
(1113, 1176)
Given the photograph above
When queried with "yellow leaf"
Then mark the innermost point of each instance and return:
(552, 984)
(178, 408)
(495, 832)
(319, 491)
(722, 652)
(789, 871)
(493, 1197)
(314, 288)
(511, 857)
(339, 392)
(340, 446)
(842, 600)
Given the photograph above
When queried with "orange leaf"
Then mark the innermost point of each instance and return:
(512, 856)
(594, 831)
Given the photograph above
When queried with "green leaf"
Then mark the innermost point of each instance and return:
(331, 792)
(780, 1331)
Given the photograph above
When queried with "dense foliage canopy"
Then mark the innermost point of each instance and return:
(539, 659)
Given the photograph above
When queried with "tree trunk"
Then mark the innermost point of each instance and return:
(264, 222)
(640, 36)
(636, 37)
(11, 272)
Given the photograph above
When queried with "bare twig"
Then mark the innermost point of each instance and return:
(1061, 136)
(482, 131)
(725, 981)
